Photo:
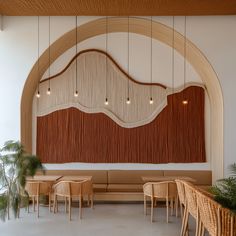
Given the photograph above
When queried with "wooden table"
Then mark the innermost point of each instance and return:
(75, 178)
(46, 178)
(166, 178)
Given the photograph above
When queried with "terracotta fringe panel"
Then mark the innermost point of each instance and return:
(175, 135)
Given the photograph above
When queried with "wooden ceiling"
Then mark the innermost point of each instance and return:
(117, 7)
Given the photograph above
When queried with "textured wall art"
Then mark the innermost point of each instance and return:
(83, 129)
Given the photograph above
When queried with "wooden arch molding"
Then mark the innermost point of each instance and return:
(140, 26)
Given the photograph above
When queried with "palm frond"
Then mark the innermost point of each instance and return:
(225, 191)
(3, 206)
(15, 166)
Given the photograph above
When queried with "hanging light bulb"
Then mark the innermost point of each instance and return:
(151, 101)
(106, 102)
(185, 101)
(128, 100)
(76, 94)
(49, 91)
(49, 55)
(76, 62)
(38, 94)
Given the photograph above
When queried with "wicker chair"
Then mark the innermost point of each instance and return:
(35, 189)
(72, 189)
(160, 190)
(209, 212)
(87, 189)
(227, 219)
(190, 208)
(182, 200)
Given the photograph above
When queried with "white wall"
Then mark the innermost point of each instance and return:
(215, 36)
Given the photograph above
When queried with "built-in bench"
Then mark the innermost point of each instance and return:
(118, 185)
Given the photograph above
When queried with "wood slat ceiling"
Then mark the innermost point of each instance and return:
(116, 7)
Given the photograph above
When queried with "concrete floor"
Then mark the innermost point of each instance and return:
(104, 219)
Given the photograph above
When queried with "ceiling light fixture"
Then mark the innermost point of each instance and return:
(38, 92)
(106, 100)
(76, 94)
(185, 101)
(49, 54)
(128, 99)
(151, 100)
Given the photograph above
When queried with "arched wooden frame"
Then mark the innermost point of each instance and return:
(140, 26)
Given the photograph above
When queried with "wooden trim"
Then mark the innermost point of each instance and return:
(162, 33)
(111, 58)
(117, 7)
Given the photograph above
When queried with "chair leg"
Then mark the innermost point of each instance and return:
(38, 205)
(69, 208)
(181, 210)
(176, 206)
(80, 207)
(92, 201)
(88, 200)
(183, 222)
(185, 226)
(34, 203)
(65, 205)
(49, 199)
(28, 206)
(171, 207)
(144, 204)
(152, 203)
(54, 203)
(167, 210)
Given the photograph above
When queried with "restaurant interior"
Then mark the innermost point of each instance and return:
(117, 117)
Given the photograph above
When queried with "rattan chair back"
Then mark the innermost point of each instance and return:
(209, 212)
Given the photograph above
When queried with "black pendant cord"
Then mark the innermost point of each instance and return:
(184, 51)
(151, 60)
(173, 55)
(185, 101)
(38, 92)
(106, 57)
(76, 52)
(128, 98)
(49, 43)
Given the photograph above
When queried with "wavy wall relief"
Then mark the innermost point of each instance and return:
(84, 129)
(92, 83)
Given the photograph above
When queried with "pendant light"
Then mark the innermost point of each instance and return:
(49, 56)
(185, 101)
(106, 99)
(76, 94)
(38, 92)
(128, 98)
(151, 100)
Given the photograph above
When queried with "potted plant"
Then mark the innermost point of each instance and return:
(15, 166)
(225, 190)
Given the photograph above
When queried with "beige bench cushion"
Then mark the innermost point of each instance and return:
(202, 177)
(130, 176)
(99, 188)
(98, 176)
(125, 188)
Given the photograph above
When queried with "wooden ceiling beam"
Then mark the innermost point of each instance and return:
(117, 7)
